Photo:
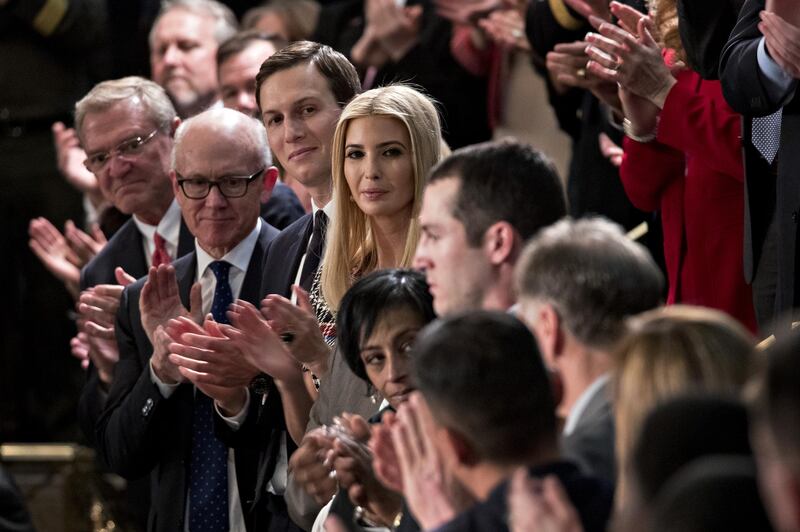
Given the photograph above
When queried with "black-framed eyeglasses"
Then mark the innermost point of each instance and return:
(127, 148)
(232, 186)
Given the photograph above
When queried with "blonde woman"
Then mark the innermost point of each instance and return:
(668, 352)
(385, 142)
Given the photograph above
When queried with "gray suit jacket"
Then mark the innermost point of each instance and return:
(591, 443)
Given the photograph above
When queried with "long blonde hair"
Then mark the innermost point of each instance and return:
(665, 20)
(351, 249)
(670, 351)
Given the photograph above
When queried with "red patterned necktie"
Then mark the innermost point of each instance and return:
(160, 255)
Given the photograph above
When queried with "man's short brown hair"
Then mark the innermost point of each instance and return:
(340, 73)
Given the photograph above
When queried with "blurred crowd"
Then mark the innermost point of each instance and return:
(283, 268)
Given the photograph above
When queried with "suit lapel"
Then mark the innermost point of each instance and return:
(130, 251)
(252, 280)
(186, 272)
(185, 240)
(295, 251)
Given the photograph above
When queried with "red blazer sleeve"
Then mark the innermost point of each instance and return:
(647, 169)
(698, 121)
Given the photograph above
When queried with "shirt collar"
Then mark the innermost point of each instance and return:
(328, 209)
(583, 402)
(238, 257)
(169, 227)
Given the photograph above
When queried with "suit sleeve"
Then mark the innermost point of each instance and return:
(743, 82)
(647, 169)
(137, 417)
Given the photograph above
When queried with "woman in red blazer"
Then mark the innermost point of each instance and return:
(682, 158)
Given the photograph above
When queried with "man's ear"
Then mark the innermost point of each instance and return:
(500, 242)
(459, 448)
(550, 332)
(174, 126)
(176, 188)
(270, 178)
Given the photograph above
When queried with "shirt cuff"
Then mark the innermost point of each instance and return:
(235, 421)
(165, 389)
(777, 81)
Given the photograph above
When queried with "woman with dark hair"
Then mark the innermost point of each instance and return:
(378, 320)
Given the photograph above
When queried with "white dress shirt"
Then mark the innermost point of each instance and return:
(169, 228)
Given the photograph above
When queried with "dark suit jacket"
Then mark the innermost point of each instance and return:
(591, 497)
(591, 443)
(283, 257)
(744, 89)
(123, 250)
(282, 208)
(141, 432)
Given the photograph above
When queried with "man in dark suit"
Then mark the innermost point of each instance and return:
(759, 71)
(486, 408)
(115, 121)
(578, 281)
(155, 421)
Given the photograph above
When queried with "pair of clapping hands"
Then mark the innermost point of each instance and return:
(222, 359)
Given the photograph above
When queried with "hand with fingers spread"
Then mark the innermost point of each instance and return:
(540, 505)
(507, 28)
(566, 65)
(79, 348)
(635, 63)
(310, 467)
(53, 250)
(424, 477)
(104, 354)
(165, 370)
(352, 461)
(782, 40)
(299, 325)
(259, 344)
(160, 301)
(395, 27)
(85, 246)
(384, 456)
(70, 157)
(100, 303)
(206, 356)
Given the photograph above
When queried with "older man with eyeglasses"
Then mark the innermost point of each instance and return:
(156, 421)
(127, 127)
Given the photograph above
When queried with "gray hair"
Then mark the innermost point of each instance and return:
(106, 94)
(592, 274)
(225, 23)
(224, 120)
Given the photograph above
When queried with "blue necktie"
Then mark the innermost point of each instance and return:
(208, 475)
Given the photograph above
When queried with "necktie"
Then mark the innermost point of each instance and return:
(315, 249)
(767, 135)
(160, 255)
(208, 475)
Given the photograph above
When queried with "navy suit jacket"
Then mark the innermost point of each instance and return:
(141, 432)
(744, 89)
(591, 497)
(283, 256)
(125, 249)
(282, 208)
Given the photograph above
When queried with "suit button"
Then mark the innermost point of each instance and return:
(148, 406)
(794, 216)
